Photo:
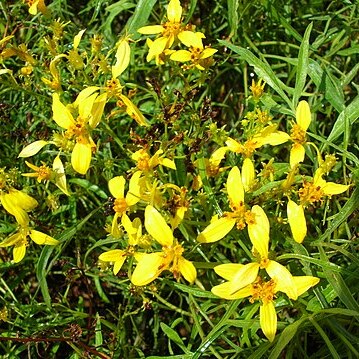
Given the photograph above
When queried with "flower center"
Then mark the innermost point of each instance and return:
(43, 173)
(78, 129)
(263, 291)
(171, 29)
(120, 205)
(310, 193)
(242, 215)
(297, 134)
(143, 162)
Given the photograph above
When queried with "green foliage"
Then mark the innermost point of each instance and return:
(166, 121)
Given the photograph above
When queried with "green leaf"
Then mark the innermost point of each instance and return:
(350, 113)
(112, 12)
(337, 282)
(285, 337)
(194, 291)
(350, 206)
(41, 272)
(263, 70)
(328, 84)
(98, 332)
(140, 17)
(89, 187)
(302, 68)
(173, 335)
(232, 6)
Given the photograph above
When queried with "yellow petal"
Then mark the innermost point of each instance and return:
(97, 110)
(150, 30)
(174, 11)
(167, 163)
(116, 186)
(11, 240)
(33, 148)
(22, 199)
(303, 283)
(85, 106)
(60, 177)
(216, 230)
(235, 187)
(207, 52)
(217, 156)
(33, 11)
(42, 238)
(123, 55)
(268, 320)
(181, 55)
(225, 291)
(19, 253)
(248, 174)
(303, 115)
(233, 145)
(228, 270)
(81, 157)
(134, 192)
(148, 269)
(77, 38)
(187, 269)
(331, 188)
(85, 93)
(117, 256)
(191, 39)
(246, 275)
(62, 116)
(156, 48)
(297, 222)
(273, 138)
(297, 154)
(283, 278)
(259, 231)
(133, 111)
(157, 227)
(10, 206)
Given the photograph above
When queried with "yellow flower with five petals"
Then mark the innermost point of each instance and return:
(20, 242)
(311, 192)
(237, 184)
(151, 265)
(264, 291)
(168, 31)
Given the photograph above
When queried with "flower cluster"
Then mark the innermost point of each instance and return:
(174, 31)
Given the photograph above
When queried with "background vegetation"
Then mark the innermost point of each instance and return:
(61, 302)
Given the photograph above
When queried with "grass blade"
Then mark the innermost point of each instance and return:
(302, 68)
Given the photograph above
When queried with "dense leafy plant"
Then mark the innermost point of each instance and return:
(178, 179)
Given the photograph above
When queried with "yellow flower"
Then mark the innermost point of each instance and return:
(151, 265)
(37, 5)
(263, 291)
(269, 135)
(168, 30)
(256, 219)
(146, 163)
(89, 106)
(20, 242)
(18, 203)
(257, 89)
(310, 193)
(213, 162)
(118, 256)
(299, 132)
(44, 173)
(123, 203)
(196, 53)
